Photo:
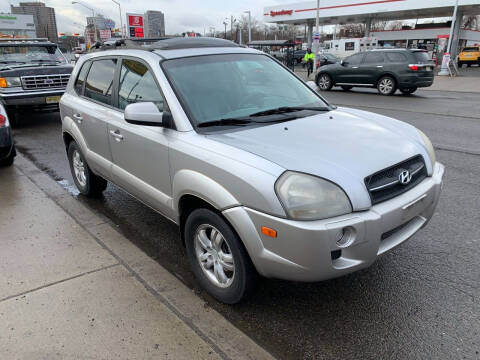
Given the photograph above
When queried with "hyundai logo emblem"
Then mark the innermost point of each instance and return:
(404, 177)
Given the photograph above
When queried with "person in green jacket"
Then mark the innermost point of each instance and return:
(309, 58)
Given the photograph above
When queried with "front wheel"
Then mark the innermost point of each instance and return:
(217, 257)
(324, 82)
(408, 91)
(86, 181)
(387, 86)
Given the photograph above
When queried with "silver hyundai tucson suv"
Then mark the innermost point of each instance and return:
(262, 175)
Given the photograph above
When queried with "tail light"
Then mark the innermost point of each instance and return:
(413, 67)
(3, 120)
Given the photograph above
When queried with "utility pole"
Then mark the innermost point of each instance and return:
(232, 20)
(121, 20)
(316, 41)
(249, 25)
(225, 23)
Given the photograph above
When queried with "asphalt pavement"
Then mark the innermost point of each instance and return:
(419, 301)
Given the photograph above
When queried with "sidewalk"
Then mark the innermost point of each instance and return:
(72, 287)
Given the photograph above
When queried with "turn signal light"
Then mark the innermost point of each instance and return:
(3, 82)
(269, 232)
(413, 67)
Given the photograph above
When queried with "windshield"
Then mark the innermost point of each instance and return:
(229, 86)
(30, 54)
(471, 49)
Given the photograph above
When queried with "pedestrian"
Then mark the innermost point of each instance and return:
(309, 59)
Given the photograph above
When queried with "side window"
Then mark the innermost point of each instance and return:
(349, 46)
(396, 57)
(137, 84)
(354, 59)
(373, 58)
(81, 78)
(100, 81)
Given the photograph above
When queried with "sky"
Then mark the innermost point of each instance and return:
(180, 15)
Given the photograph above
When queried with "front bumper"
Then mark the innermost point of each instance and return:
(308, 250)
(30, 98)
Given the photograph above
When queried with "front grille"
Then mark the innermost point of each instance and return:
(385, 184)
(45, 81)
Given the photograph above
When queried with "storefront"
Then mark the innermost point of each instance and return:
(18, 26)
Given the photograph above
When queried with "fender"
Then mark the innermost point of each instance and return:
(194, 183)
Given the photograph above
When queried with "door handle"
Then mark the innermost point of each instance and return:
(379, 66)
(78, 118)
(116, 134)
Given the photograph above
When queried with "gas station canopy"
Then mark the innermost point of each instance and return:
(360, 11)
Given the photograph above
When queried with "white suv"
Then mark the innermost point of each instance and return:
(262, 174)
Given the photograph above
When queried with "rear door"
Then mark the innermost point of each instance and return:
(349, 72)
(92, 111)
(140, 153)
(371, 68)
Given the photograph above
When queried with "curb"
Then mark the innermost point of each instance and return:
(223, 337)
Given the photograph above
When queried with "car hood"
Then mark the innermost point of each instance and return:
(343, 146)
(35, 69)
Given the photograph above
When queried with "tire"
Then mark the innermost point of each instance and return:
(324, 82)
(460, 64)
(225, 285)
(387, 85)
(408, 91)
(347, 88)
(469, 65)
(85, 180)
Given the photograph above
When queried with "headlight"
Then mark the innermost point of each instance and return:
(307, 197)
(429, 146)
(10, 82)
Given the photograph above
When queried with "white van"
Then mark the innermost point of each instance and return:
(346, 47)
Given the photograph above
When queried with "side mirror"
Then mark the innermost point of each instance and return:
(143, 113)
(311, 84)
(343, 63)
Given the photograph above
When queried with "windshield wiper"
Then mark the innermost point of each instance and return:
(226, 122)
(289, 109)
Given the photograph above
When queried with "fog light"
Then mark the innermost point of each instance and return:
(345, 237)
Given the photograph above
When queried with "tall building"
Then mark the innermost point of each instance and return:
(43, 18)
(154, 24)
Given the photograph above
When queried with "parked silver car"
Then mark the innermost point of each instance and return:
(262, 174)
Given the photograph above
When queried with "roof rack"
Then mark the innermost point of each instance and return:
(163, 44)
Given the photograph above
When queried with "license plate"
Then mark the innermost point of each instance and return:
(429, 68)
(52, 99)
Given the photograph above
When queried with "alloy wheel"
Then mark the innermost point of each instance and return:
(214, 256)
(386, 86)
(324, 82)
(79, 168)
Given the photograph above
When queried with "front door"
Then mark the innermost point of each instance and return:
(349, 73)
(140, 153)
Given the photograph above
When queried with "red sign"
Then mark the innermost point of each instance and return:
(135, 20)
(443, 36)
(281, 12)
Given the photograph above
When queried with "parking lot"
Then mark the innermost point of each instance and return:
(419, 301)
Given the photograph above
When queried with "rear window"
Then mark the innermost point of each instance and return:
(421, 57)
(395, 57)
(100, 81)
(81, 78)
(471, 49)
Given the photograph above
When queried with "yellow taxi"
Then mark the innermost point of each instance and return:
(469, 55)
